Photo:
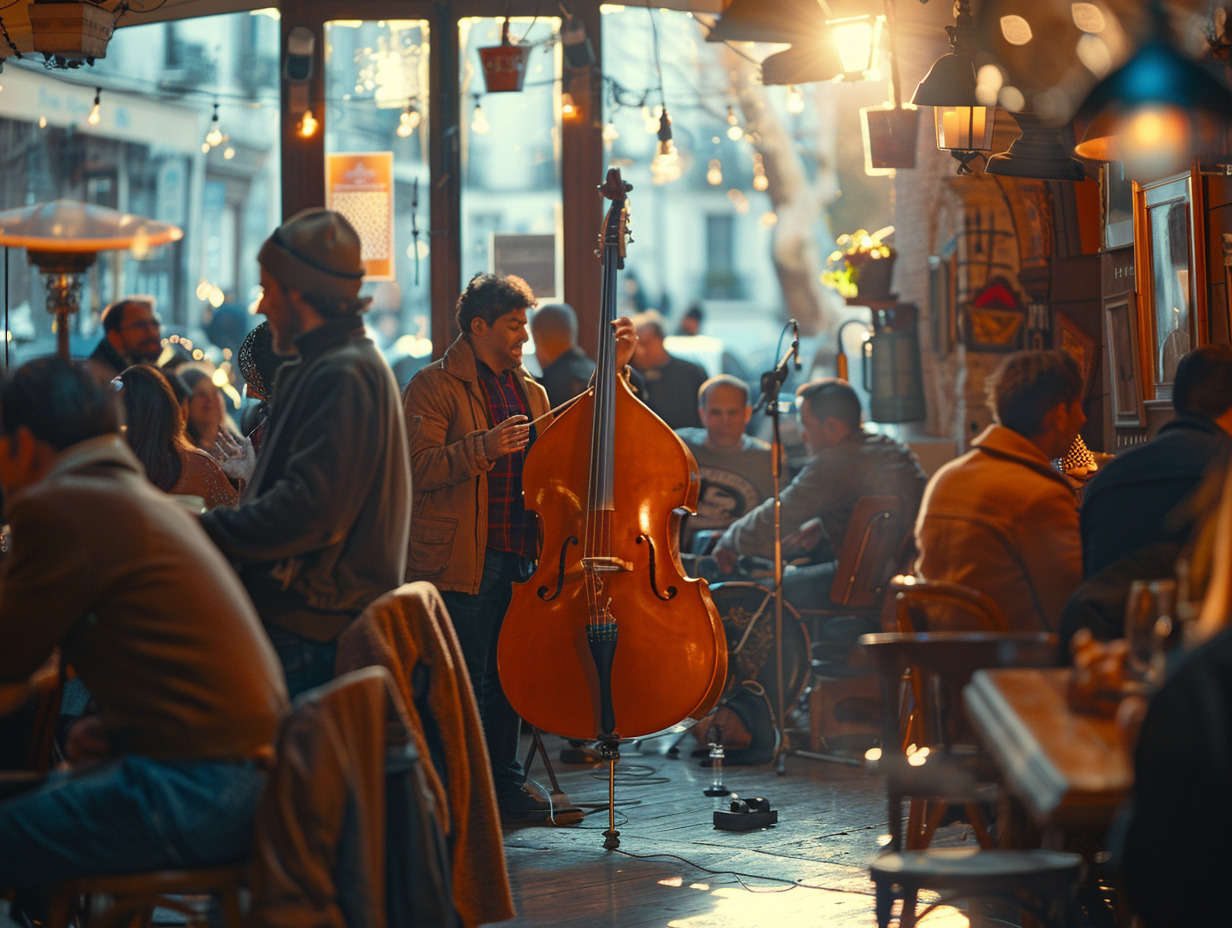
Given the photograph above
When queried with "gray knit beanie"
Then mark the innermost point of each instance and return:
(317, 253)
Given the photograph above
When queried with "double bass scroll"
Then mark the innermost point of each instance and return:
(609, 639)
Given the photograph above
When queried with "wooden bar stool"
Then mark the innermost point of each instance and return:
(952, 772)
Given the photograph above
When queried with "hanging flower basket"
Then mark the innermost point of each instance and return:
(862, 267)
(504, 65)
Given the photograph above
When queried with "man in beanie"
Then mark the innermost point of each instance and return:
(321, 529)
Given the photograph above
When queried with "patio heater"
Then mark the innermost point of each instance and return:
(63, 238)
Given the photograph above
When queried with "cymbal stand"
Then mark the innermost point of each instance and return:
(771, 382)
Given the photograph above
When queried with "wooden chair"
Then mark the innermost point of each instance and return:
(877, 545)
(938, 605)
(951, 772)
(334, 751)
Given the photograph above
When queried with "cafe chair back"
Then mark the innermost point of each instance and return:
(333, 825)
(877, 545)
(945, 768)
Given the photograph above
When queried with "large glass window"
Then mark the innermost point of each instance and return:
(511, 199)
(146, 152)
(376, 144)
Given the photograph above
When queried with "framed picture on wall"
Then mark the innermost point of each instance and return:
(1116, 200)
(1171, 264)
(1124, 366)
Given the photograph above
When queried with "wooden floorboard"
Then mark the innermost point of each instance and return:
(674, 869)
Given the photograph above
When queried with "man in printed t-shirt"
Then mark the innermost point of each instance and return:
(735, 468)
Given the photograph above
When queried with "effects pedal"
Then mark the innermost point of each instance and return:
(745, 815)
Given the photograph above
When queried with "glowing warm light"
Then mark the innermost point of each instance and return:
(962, 128)
(1094, 54)
(205, 148)
(1016, 30)
(95, 114)
(739, 202)
(409, 121)
(198, 354)
(1155, 142)
(203, 290)
(769, 219)
(650, 119)
(872, 755)
(42, 122)
(308, 125)
(760, 181)
(228, 152)
(856, 41)
(214, 137)
(1088, 17)
(610, 133)
(479, 121)
(704, 887)
(988, 83)
(795, 100)
(671, 881)
(568, 109)
(714, 174)
(219, 377)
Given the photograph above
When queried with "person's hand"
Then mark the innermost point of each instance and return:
(626, 340)
(511, 435)
(726, 559)
(236, 455)
(86, 740)
(807, 538)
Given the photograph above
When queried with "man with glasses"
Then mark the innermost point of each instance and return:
(132, 334)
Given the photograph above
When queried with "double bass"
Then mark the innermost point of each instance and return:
(608, 640)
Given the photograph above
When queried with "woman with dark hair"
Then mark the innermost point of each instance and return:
(156, 434)
(207, 414)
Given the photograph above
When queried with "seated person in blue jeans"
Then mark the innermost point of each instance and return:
(155, 623)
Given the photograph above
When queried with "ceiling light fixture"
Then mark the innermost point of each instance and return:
(963, 124)
(1156, 112)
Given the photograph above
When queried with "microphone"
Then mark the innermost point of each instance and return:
(795, 342)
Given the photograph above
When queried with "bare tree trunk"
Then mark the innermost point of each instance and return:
(798, 202)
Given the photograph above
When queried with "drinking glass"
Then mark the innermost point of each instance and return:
(1149, 614)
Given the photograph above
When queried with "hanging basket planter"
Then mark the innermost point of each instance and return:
(504, 65)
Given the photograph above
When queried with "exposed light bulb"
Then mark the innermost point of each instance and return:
(568, 109)
(479, 121)
(228, 152)
(714, 174)
(610, 133)
(731, 117)
(795, 100)
(409, 121)
(95, 115)
(214, 137)
(308, 125)
(665, 133)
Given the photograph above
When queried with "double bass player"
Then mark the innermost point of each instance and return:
(470, 418)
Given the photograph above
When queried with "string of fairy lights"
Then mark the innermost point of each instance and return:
(665, 166)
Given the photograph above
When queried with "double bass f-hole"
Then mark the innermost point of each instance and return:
(560, 574)
(671, 591)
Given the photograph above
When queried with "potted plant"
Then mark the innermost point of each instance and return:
(862, 265)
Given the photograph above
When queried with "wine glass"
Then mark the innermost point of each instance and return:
(1149, 612)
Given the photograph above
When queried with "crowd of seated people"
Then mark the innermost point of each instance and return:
(320, 525)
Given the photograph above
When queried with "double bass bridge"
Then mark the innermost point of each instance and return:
(606, 564)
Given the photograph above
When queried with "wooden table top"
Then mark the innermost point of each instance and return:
(1070, 769)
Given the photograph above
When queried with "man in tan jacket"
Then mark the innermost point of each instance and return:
(471, 417)
(999, 518)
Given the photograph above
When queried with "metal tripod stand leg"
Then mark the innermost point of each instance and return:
(564, 812)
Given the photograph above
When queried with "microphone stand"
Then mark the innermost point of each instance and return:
(771, 382)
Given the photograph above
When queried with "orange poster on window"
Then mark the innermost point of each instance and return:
(360, 185)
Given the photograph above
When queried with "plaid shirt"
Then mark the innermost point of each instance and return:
(510, 526)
